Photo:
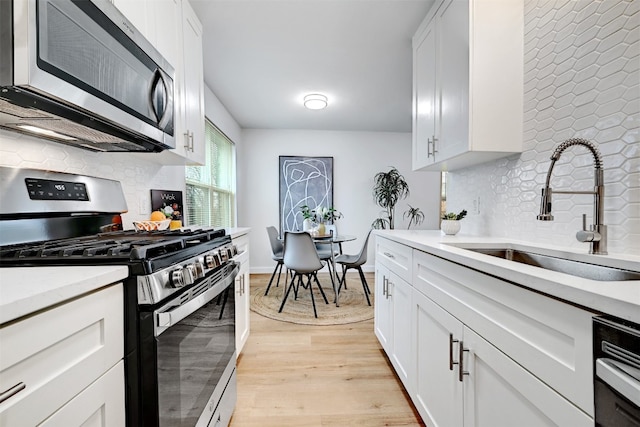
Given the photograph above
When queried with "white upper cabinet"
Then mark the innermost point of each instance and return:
(190, 123)
(467, 84)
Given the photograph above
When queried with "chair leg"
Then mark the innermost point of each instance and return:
(279, 270)
(313, 301)
(344, 271)
(343, 279)
(365, 286)
(286, 295)
(315, 276)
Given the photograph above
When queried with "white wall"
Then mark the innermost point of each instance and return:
(358, 156)
(582, 76)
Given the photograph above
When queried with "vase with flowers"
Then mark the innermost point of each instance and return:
(316, 220)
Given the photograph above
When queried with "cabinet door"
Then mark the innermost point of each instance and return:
(438, 392)
(382, 308)
(137, 12)
(453, 79)
(100, 405)
(167, 37)
(499, 392)
(242, 289)
(399, 293)
(242, 306)
(190, 133)
(424, 90)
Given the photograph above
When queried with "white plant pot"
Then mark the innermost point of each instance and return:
(450, 226)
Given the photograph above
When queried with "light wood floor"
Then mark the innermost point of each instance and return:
(308, 376)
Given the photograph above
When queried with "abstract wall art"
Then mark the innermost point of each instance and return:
(303, 181)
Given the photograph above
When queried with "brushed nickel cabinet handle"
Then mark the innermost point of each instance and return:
(451, 362)
(7, 394)
(388, 255)
(461, 371)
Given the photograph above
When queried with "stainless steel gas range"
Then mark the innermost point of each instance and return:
(179, 302)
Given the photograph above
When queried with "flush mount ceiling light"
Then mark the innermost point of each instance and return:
(315, 101)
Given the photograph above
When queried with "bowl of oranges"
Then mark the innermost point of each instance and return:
(157, 221)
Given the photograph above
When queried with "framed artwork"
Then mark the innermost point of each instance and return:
(167, 201)
(303, 181)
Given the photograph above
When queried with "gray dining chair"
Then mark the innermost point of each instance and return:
(277, 253)
(301, 258)
(355, 262)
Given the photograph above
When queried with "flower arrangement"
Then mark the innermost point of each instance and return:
(320, 214)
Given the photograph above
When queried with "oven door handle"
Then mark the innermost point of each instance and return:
(617, 375)
(167, 316)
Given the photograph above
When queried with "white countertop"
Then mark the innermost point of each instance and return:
(26, 290)
(621, 299)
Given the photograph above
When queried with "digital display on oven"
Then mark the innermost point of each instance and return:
(44, 189)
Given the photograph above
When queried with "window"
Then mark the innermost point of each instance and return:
(211, 198)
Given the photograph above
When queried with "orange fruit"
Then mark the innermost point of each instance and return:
(157, 216)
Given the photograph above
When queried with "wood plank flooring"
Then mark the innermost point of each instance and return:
(309, 376)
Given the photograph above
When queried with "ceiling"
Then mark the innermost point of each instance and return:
(262, 56)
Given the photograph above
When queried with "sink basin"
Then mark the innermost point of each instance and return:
(575, 268)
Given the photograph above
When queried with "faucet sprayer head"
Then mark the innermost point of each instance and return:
(545, 205)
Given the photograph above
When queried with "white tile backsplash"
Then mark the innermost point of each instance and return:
(137, 175)
(582, 79)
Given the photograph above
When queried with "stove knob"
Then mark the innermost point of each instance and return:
(176, 278)
(199, 269)
(224, 256)
(218, 259)
(209, 261)
(189, 272)
(235, 250)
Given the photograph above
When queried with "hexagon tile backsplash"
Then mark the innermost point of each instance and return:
(138, 176)
(582, 79)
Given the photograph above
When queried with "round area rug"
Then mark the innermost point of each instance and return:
(353, 304)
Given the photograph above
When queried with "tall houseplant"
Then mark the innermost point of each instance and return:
(389, 187)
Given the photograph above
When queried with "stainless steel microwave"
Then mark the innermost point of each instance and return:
(78, 72)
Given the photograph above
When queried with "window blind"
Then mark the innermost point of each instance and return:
(210, 198)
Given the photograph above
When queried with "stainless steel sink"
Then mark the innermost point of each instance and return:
(567, 266)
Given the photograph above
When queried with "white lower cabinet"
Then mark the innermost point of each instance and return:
(69, 356)
(100, 405)
(438, 393)
(483, 352)
(242, 297)
(393, 320)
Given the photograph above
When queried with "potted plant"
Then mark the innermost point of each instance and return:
(451, 222)
(389, 187)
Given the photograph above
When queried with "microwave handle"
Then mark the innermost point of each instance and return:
(612, 373)
(160, 85)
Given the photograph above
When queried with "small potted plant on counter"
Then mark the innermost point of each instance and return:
(451, 222)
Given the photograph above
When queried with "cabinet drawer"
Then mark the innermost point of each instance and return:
(395, 256)
(549, 338)
(57, 353)
(100, 405)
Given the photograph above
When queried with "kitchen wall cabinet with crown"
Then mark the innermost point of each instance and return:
(467, 84)
(173, 28)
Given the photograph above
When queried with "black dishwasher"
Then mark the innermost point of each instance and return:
(616, 347)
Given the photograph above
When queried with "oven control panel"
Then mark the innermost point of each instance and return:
(45, 189)
(157, 286)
